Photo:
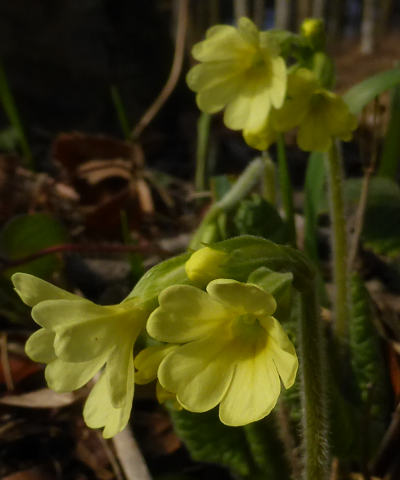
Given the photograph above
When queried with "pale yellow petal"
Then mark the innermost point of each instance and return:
(248, 31)
(39, 346)
(278, 82)
(313, 135)
(254, 389)
(33, 290)
(66, 377)
(185, 313)
(53, 314)
(198, 372)
(120, 370)
(208, 75)
(222, 43)
(213, 99)
(261, 139)
(250, 109)
(242, 297)
(87, 340)
(281, 350)
(99, 412)
(148, 360)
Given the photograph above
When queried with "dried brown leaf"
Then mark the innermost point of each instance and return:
(43, 398)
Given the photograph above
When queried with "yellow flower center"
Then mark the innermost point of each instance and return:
(246, 326)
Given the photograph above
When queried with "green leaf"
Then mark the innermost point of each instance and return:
(162, 275)
(389, 164)
(368, 366)
(267, 449)
(28, 234)
(208, 440)
(381, 232)
(256, 216)
(364, 92)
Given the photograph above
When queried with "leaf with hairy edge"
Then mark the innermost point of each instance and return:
(208, 440)
(369, 366)
(267, 449)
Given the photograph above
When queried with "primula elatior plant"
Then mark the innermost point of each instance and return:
(229, 322)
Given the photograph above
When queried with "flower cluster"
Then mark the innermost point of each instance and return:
(241, 69)
(219, 343)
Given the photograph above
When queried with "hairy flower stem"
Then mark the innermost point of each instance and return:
(286, 189)
(313, 388)
(339, 244)
(203, 135)
(250, 176)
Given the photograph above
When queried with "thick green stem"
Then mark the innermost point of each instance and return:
(286, 189)
(339, 244)
(312, 364)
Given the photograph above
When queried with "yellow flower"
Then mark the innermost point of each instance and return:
(232, 353)
(147, 362)
(320, 115)
(241, 70)
(77, 339)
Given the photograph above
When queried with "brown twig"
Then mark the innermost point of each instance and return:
(90, 247)
(362, 206)
(174, 73)
(5, 363)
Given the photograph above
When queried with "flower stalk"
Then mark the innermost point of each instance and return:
(339, 243)
(286, 189)
(312, 367)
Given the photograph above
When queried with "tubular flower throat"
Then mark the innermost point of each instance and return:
(241, 71)
(77, 339)
(231, 352)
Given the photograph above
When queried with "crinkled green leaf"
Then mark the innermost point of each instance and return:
(368, 364)
(208, 440)
(267, 449)
(255, 216)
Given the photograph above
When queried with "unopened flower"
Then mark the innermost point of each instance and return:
(241, 71)
(233, 352)
(77, 339)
